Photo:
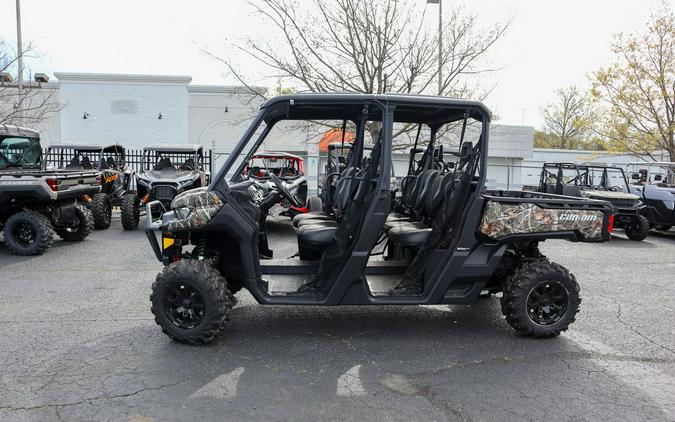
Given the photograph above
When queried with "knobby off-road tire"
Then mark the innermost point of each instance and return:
(190, 301)
(314, 204)
(129, 212)
(78, 227)
(527, 309)
(663, 227)
(638, 228)
(101, 209)
(28, 233)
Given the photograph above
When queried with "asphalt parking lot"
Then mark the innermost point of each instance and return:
(78, 342)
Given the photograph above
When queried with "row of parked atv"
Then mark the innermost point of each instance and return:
(643, 203)
(71, 189)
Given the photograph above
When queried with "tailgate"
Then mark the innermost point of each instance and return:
(519, 215)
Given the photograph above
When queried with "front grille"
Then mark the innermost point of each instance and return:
(164, 193)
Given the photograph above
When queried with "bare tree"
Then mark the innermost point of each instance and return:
(569, 119)
(370, 47)
(638, 89)
(29, 106)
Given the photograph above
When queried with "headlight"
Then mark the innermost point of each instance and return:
(182, 212)
(186, 183)
(193, 209)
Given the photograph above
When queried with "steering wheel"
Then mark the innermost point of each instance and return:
(281, 187)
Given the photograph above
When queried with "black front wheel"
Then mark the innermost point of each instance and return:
(101, 209)
(638, 228)
(77, 226)
(540, 299)
(190, 301)
(129, 211)
(28, 233)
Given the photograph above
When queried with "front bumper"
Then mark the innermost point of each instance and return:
(153, 226)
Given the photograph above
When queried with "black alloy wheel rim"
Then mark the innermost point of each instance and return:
(547, 302)
(24, 234)
(73, 225)
(183, 305)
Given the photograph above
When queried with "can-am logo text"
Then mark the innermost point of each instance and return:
(577, 217)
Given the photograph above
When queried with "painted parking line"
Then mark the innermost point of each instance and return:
(349, 384)
(222, 387)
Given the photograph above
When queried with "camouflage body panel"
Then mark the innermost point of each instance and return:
(203, 206)
(504, 219)
(608, 195)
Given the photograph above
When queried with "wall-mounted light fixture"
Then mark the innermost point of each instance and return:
(160, 117)
(41, 78)
(226, 110)
(85, 116)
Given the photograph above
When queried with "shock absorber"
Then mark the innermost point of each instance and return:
(199, 251)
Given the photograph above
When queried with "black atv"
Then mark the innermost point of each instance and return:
(36, 204)
(602, 182)
(654, 183)
(114, 175)
(456, 241)
(167, 171)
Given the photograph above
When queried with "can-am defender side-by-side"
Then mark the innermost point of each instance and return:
(167, 171)
(36, 204)
(114, 174)
(290, 169)
(602, 182)
(654, 183)
(456, 241)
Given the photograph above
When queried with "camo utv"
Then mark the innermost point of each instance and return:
(452, 242)
(601, 182)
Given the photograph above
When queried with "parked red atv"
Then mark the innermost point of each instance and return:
(291, 170)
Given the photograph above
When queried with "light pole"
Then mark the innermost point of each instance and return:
(19, 45)
(440, 43)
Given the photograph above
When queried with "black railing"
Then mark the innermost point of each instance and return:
(134, 158)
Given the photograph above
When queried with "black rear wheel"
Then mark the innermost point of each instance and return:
(638, 229)
(540, 299)
(663, 227)
(28, 233)
(101, 209)
(77, 226)
(190, 301)
(129, 212)
(315, 204)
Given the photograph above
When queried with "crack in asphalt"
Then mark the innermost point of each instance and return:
(543, 358)
(88, 400)
(619, 316)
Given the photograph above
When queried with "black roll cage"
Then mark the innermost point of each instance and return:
(582, 178)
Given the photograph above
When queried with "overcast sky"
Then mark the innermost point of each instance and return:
(549, 44)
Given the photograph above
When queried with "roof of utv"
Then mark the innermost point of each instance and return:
(88, 147)
(275, 154)
(173, 148)
(409, 108)
(12, 130)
